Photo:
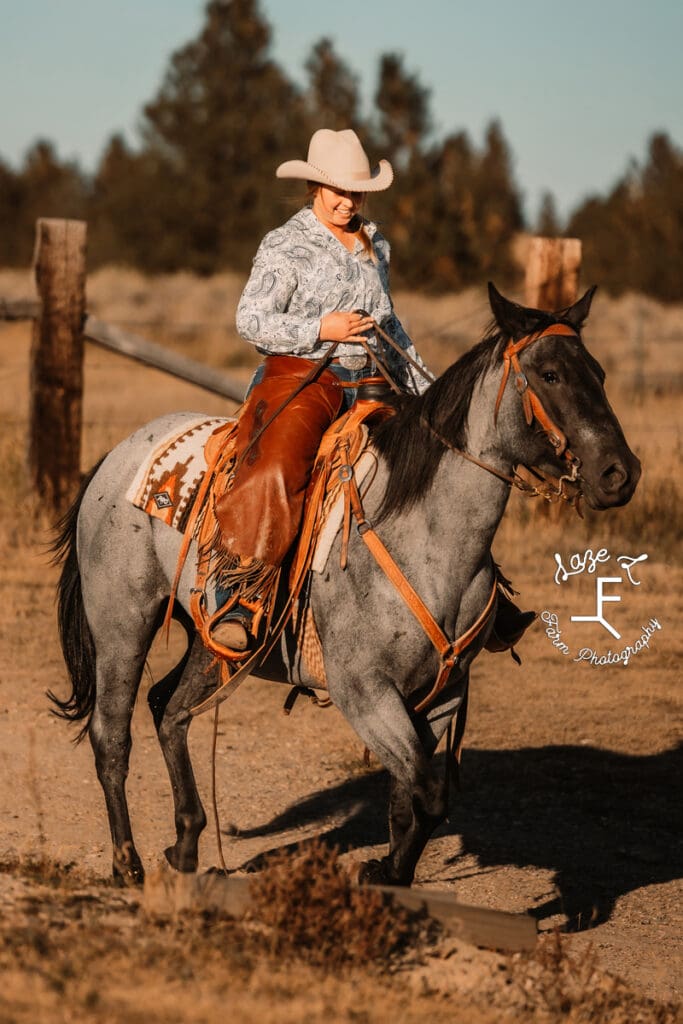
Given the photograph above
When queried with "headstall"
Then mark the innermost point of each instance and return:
(531, 479)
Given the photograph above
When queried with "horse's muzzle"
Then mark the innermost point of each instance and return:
(616, 482)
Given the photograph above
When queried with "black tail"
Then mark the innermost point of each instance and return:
(78, 646)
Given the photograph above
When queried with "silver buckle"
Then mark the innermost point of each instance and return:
(354, 362)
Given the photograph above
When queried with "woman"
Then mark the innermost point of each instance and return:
(311, 275)
(320, 279)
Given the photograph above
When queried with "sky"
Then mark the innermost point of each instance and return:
(579, 88)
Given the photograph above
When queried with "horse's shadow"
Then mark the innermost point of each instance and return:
(604, 823)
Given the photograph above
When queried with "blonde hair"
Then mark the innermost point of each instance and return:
(361, 232)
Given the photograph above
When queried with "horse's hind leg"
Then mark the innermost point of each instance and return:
(118, 679)
(170, 700)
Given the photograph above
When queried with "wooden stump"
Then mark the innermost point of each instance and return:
(54, 446)
(552, 283)
(552, 273)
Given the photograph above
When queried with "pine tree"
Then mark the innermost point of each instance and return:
(453, 167)
(52, 188)
(548, 221)
(13, 244)
(43, 187)
(633, 238)
(403, 103)
(660, 220)
(332, 90)
(399, 135)
(498, 209)
(225, 116)
(134, 218)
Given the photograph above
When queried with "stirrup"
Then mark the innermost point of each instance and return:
(234, 629)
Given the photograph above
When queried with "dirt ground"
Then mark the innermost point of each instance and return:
(569, 809)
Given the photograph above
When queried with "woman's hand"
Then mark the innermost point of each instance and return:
(347, 327)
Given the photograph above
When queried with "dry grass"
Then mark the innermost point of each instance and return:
(563, 986)
(77, 950)
(45, 870)
(315, 914)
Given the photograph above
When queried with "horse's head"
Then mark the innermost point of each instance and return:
(553, 397)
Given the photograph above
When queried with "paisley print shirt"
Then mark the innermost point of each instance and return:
(300, 273)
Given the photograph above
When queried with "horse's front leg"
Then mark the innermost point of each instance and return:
(415, 811)
(431, 727)
(170, 699)
(418, 795)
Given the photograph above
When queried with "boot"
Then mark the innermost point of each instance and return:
(509, 625)
(232, 630)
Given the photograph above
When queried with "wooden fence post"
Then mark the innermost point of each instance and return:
(54, 446)
(552, 273)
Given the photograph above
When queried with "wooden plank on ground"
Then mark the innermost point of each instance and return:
(480, 926)
(168, 893)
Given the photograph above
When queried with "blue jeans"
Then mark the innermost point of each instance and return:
(344, 374)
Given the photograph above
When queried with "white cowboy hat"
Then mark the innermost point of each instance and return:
(339, 160)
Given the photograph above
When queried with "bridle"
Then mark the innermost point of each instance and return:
(531, 403)
(531, 479)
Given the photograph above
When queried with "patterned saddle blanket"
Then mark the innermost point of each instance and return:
(166, 484)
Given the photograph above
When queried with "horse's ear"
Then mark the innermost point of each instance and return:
(513, 319)
(578, 313)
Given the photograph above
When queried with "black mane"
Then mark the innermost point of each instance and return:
(411, 451)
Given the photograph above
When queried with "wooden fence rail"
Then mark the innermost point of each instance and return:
(151, 354)
(61, 326)
(19, 309)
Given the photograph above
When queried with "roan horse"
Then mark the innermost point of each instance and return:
(445, 465)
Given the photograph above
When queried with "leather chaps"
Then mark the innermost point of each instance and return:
(259, 516)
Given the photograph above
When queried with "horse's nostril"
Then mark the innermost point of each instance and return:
(614, 477)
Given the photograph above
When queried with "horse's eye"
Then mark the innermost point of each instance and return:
(550, 377)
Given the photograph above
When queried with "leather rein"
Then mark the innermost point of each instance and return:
(531, 480)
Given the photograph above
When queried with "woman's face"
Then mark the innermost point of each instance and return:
(334, 207)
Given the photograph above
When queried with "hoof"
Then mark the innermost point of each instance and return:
(127, 867)
(185, 866)
(374, 872)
